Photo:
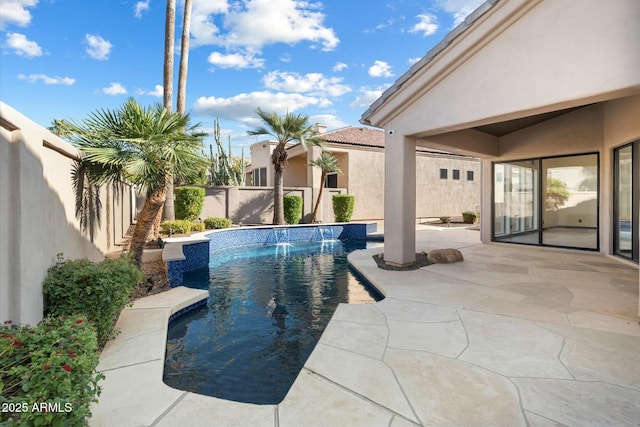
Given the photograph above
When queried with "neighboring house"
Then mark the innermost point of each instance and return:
(449, 184)
(547, 93)
(37, 215)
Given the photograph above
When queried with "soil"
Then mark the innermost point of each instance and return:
(157, 280)
(421, 261)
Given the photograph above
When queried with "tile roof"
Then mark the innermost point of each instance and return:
(353, 135)
(368, 137)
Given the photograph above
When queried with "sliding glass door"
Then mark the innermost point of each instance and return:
(516, 201)
(549, 201)
(626, 201)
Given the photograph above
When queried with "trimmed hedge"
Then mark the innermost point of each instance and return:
(97, 290)
(469, 217)
(189, 202)
(343, 207)
(292, 209)
(53, 363)
(215, 223)
(180, 226)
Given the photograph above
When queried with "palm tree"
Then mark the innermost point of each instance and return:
(184, 57)
(290, 128)
(58, 128)
(143, 146)
(167, 94)
(557, 194)
(327, 164)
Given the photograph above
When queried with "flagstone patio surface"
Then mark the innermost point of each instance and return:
(512, 336)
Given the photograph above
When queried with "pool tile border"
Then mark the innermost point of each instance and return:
(191, 253)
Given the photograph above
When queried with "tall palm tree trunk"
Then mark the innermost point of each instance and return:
(278, 158)
(184, 57)
(146, 218)
(323, 176)
(167, 92)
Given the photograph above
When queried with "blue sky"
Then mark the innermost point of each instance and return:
(328, 59)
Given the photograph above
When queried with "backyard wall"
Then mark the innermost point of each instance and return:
(37, 214)
(254, 205)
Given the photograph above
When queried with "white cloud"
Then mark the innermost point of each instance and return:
(15, 12)
(242, 107)
(203, 28)
(340, 66)
(312, 83)
(459, 8)
(235, 60)
(427, 25)
(331, 121)
(99, 48)
(380, 69)
(285, 57)
(157, 91)
(261, 22)
(412, 61)
(23, 46)
(367, 97)
(141, 6)
(33, 78)
(114, 89)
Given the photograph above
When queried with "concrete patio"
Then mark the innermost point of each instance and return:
(513, 335)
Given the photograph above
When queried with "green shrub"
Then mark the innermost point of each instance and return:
(189, 202)
(97, 290)
(445, 219)
(469, 217)
(343, 207)
(292, 209)
(215, 223)
(53, 363)
(197, 226)
(179, 226)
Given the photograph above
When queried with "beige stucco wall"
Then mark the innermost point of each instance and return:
(254, 205)
(363, 176)
(37, 215)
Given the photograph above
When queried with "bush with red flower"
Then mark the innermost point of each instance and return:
(52, 363)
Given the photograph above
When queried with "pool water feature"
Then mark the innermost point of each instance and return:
(268, 307)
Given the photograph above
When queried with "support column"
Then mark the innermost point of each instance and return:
(399, 199)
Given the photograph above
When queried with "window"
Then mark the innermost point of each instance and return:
(550, 201)
(331, 180)
(626, 201)
(260, 177)
(443, 174)
(456, 174)
(469, 175)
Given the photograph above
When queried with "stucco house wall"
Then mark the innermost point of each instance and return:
(37, 214)
(363, 177)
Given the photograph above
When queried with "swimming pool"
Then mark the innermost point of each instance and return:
(267, 308)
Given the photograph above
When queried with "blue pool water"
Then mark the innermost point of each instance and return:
(267, 308)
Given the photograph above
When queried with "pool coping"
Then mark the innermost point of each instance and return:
(134, 392)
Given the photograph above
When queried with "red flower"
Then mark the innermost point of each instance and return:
(78, 321)
(6, 336)
(46, 367)
(72, 354)
(15, 342)
(7, 322)
(66, 368)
